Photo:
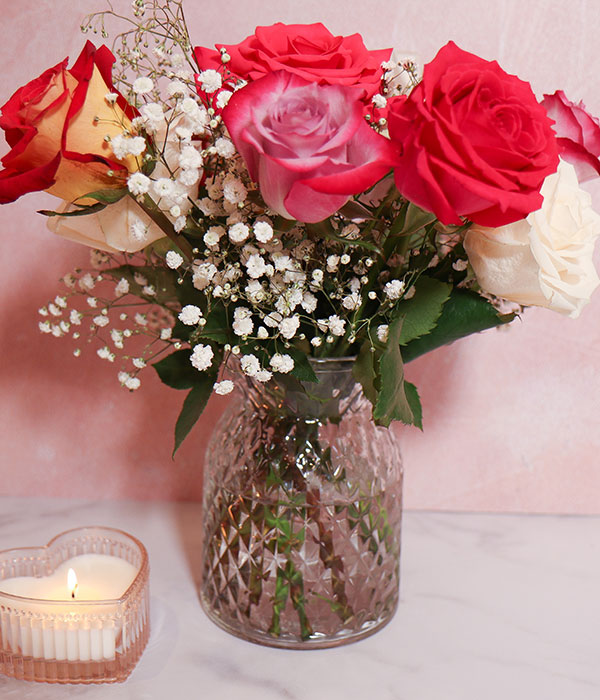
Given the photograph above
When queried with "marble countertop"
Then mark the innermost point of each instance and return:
(493, 607)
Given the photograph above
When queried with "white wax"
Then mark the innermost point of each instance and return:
(100, 577)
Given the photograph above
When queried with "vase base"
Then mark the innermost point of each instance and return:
(316, 641)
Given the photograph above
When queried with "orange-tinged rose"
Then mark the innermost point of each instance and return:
(56, 126)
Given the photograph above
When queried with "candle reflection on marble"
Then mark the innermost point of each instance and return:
(89, 626)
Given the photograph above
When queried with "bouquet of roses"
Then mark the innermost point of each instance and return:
(298, 196)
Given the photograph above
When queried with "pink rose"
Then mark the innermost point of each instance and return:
(578, 134)
(308, 146)
(475, 141)
(310, 51)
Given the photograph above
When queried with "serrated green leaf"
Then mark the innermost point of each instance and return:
(162, 279)
(364, 371)
(414, 401)
(464, 313)
(416, 218)
(216, 327)
(423, 310)
(195, 402)
(108, 196)
(302, 367)
(176, 370)
(83, 211)
(392, 402)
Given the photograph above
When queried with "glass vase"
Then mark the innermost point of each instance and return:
(302, 513)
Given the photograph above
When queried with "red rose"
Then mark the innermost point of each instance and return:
(57, 144)
(310, 51)
(307, 145)
(578, 134)
(475, 142)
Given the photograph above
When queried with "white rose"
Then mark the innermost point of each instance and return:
(121, 227)
(546, 259)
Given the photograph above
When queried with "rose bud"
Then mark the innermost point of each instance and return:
(57, 125)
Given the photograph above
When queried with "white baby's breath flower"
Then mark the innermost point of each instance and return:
(239, 232)
(352, 301)
(45, 326)
(75, 317)
(141, 319)
(263, 375)
(379, 101)
(332, 263)
(336, 325)
(234, 190)
(190, 157)
(173, 259)
(176, 88)
(224, 147)
(282, 363)
(224, 387)
(165, 333)
(132, 383)
(383, 332)
(213, 235)
(203, 274)
(201, 357)
(153, 116)
(149, 290)
(190, 315)
(263, 231)
(122, 287)
(143, 85)
(92, 302)
(393, 289)
(210, 80)
(111, 97)
(289, 326)
(139, 362)
(138, 183)
(262, 333)
(256, 266)
(250, 365)
(223, 98)
(101, 321)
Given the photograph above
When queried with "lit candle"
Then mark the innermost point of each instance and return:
(83, 583)
(75, 610)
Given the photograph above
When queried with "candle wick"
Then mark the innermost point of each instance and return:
(72, 593)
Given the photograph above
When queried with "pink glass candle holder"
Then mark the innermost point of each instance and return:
(89, 626)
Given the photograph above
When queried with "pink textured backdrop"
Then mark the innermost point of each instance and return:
(511, 417)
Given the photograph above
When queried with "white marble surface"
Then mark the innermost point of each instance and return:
(494, 607)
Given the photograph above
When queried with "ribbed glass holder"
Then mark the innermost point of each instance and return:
(74, 641)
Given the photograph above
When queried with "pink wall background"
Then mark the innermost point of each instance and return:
(511, 417)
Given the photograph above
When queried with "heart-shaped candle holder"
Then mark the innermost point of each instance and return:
(74, 639)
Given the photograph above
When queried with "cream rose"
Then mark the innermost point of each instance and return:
(121, 227)
(545, 259)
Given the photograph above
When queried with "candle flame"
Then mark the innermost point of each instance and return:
(72, 582)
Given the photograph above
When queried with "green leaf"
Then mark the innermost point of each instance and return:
(195, 402)
(216, 327)
(464, 313)
(83, 211)
(416, 219)
(414, 401)
(108, 196)
(176, 370)
(364, 371)
(162, 279)
(302, 367)
(392, 402)
(423, 310)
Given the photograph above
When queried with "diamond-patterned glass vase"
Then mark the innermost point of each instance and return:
(302, 512)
